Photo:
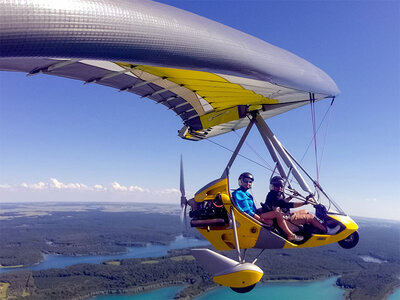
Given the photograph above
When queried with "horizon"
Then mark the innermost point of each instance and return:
(175, 208)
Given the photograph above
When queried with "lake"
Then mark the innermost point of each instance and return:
(395, 295)
(372, 259)
(59, 261)
(314, 290)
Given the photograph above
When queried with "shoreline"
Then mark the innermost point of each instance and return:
(392, 291)
(145, 289)
(11, 267)
(127, 250)
(285, 281)
(132, 291)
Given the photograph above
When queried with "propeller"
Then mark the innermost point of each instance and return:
(184, 201)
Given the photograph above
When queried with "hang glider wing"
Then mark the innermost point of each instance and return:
(210, 75)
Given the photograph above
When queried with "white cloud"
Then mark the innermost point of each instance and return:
(132, 188)
(35, 186)
(99, 187)
(54, 188)
(373, 200)
(117, 187)
(168, 191)
(54, 183)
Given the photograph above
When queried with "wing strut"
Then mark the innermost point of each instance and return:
(275, 149)
(270, 148)
(271, 140)
(235, 153)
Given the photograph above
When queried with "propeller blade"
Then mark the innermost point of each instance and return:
(183, 196)
(182, 184)
(183, 215)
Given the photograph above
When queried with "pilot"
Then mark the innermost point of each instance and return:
(276, 201)
(244, 201)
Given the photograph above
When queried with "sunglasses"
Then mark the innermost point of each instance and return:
(247, 180)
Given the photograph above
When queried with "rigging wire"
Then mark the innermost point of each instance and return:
(320, 124)
(325, 135)
(317, 130)
(254, 151)
(249, 159)
(313, 120)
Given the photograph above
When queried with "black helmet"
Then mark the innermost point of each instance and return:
(277, 181)
(245, 175)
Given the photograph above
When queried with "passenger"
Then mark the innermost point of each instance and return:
(276, 200)
(245, 203)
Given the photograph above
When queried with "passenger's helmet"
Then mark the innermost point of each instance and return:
(276, 181)
(245, 175)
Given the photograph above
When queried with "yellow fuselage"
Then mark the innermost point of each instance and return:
(253, 234)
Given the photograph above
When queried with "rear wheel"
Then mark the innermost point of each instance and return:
(350, 242)
(244, 289)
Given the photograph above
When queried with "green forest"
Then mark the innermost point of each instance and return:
(93, 232)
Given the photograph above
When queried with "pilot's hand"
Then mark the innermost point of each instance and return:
(309, 200)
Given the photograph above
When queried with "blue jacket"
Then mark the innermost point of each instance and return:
(244, 201)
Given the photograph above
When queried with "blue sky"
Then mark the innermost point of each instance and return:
(61, 140)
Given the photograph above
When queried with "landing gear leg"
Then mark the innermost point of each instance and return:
(236, 236)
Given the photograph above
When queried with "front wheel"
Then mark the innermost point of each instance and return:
(350, 242)
(243, 289)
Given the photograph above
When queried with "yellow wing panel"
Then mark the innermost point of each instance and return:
(216, 90)
(214, 100)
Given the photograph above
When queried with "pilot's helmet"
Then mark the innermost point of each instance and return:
(276, 181)
(245, 175)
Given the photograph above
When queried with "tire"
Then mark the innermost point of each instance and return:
(244, 289)
(350, 242)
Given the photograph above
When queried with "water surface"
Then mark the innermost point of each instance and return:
(164, 293)
(60, 261)
(395, 295)
(315, 290)
(372, 259)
